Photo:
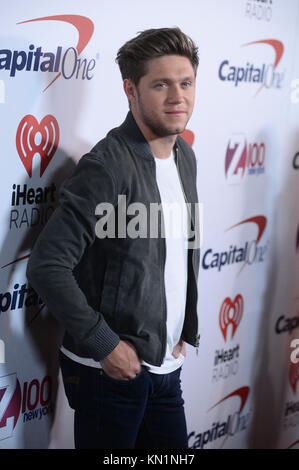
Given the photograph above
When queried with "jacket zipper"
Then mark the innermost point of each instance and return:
(162, 271)
(197, 337)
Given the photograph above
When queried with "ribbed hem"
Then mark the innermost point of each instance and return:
(102, 343)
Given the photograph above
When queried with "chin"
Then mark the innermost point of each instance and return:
(166, 130)
(179, 130)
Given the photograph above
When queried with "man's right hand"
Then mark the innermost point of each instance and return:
(123, 362)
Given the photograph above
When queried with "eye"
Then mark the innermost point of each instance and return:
(160, 85)
(186, 84)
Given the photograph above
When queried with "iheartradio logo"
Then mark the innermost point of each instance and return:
(231, 312)
(35, 138)
(188, 136)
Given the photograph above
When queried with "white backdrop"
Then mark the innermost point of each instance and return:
(240, 391)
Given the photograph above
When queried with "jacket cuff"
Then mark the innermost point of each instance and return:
(102, 343)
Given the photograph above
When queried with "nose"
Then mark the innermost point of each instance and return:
(175, 94)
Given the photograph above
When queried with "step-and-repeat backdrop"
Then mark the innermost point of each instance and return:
(60, 92)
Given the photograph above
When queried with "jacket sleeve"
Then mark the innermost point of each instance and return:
(59, 248)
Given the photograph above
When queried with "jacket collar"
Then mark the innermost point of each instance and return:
(133, 135)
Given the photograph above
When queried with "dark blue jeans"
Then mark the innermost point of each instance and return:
(146, 412)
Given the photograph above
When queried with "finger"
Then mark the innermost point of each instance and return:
(176, 352)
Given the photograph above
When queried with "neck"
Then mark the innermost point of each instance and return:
(161, 147)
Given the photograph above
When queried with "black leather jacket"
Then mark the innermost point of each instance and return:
(104, 290)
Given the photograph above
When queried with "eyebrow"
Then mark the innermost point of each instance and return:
(167, 80)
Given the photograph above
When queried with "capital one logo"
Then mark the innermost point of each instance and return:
(233, 424)
(251, 252)
(265, 74)
(23, 295)
(243, 158)
(230, 315)
(259, 220)
(66, 64)
(256, 254)
(37, 139)
(242, 393)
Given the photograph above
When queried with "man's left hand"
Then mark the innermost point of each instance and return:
(180, 348)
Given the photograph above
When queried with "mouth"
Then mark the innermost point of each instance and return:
(175, 113)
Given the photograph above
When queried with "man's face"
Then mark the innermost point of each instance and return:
(164, 97)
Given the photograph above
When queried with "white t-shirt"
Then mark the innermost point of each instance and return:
(175, 275)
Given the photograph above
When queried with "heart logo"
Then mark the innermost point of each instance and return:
(188, 136)
(33, 138)
(235, 306)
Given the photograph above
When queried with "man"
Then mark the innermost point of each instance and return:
(128, 303)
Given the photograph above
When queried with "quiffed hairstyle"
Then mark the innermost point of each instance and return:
(133, 56)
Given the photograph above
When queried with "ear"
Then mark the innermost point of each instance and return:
(129, 89)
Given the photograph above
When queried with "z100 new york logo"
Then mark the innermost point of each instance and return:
(32, 399)
(244, 158)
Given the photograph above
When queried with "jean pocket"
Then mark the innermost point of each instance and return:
(71, 386)
(71, 378)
